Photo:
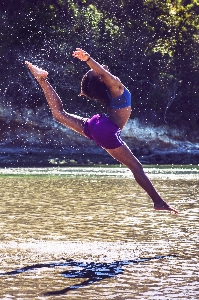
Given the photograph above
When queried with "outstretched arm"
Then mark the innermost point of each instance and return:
(112, 82)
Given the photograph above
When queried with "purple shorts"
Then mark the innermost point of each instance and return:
(103, 131)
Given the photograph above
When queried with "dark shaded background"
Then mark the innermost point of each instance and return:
(152, 47)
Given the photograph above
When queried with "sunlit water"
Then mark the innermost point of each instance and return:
(92, 233)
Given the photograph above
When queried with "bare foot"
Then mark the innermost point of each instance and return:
(162, 205)
(38, 73)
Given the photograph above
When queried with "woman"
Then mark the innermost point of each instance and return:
(99, 84)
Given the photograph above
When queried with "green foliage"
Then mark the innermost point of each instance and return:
(153, 46)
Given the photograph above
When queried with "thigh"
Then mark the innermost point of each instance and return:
(124, 155)
(71, 121)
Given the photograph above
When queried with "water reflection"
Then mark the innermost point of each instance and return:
(95, 221)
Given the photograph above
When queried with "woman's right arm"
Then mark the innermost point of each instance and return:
(112, 82)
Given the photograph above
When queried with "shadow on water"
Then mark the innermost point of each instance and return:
(91, 271)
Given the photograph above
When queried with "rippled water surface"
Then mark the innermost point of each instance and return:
(92, 233)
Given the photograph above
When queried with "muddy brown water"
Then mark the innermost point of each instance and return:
(92, 233)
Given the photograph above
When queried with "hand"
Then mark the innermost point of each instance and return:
(81, 54)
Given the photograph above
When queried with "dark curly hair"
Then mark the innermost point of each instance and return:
(95, 89)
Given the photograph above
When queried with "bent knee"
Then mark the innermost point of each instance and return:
(58, 116)
(136, 166)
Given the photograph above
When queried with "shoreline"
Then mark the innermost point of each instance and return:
(49, 157)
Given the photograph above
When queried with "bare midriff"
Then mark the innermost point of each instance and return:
(119, 116)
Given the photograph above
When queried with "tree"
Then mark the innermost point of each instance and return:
(151, 45)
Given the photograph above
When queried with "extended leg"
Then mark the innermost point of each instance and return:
(72, 121)
(124, 155)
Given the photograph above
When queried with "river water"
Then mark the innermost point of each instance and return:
(92, 233)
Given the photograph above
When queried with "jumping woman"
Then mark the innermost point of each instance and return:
(105, 129)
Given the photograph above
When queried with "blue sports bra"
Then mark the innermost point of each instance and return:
(122, 101)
